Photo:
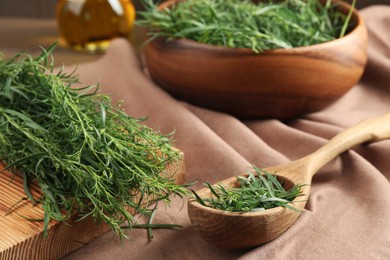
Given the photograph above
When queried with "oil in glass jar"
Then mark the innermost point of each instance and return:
(90, 25)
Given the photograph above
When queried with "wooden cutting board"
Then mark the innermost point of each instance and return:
(23, 239)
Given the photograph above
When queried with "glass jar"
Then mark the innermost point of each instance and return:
(90, 25)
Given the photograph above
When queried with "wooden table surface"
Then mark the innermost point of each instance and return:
(27, 34)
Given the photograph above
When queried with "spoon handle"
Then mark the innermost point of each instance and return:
(370, 130)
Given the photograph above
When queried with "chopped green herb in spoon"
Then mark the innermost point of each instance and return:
(244, 24)
(88, 157)
(256, 192)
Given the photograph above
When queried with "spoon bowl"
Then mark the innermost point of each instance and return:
(240, 230)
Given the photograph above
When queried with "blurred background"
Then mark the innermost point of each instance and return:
(45, 8)
(27, 24)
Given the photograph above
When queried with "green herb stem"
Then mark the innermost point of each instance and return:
(257, 192)
(87, 156)
(244, 24)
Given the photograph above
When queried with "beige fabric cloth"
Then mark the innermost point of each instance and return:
(348, 213)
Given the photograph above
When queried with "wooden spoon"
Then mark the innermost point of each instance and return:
(239, 230)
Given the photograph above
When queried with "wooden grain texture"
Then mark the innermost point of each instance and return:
(237, 230)
(23, 239)
(280, 83)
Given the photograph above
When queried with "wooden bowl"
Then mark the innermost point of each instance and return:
(279, 83)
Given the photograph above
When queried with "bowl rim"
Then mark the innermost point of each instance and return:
(297, 201)
(188, 43)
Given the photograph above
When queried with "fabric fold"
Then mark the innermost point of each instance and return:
(348, 210)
